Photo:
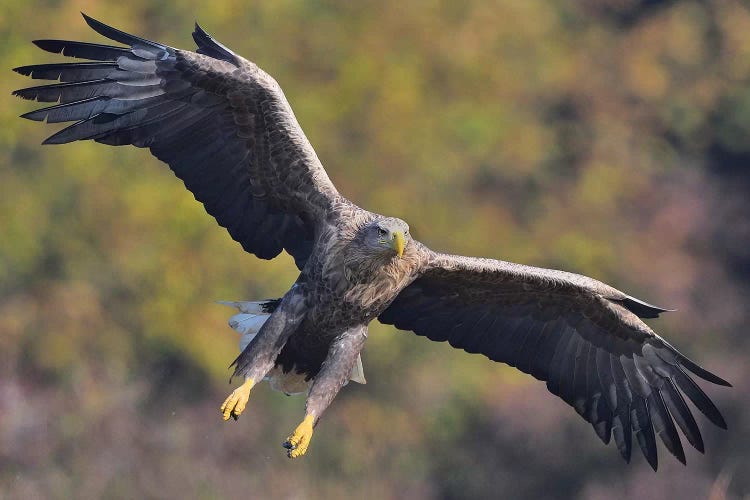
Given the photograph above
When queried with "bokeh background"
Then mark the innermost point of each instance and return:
(609, 137)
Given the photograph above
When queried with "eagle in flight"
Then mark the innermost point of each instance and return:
(225, 128)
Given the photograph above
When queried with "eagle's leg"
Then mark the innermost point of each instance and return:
(235, 403)
(260, 354)
(336, 369)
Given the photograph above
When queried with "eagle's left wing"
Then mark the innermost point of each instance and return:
(579, 335)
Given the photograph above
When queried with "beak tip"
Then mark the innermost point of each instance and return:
(399, 244)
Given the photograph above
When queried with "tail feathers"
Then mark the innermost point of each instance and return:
(253, 307)
(358, 372)
(247, 325)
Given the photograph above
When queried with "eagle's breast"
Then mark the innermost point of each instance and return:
(375, 283)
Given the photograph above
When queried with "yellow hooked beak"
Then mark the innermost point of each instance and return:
(398, 242)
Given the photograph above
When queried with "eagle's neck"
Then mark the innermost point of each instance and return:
(373, 281)
(363, 278)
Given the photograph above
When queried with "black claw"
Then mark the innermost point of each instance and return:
(235, 417)
(288, 445)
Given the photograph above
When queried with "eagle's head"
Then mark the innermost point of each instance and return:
(387, 236)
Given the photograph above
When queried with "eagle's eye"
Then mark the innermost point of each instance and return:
(382, 232)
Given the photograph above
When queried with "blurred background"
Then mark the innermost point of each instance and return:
(610, 138)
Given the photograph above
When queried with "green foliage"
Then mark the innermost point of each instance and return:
(585, 135)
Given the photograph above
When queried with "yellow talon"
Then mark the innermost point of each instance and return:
(235, 404)
(298, 442)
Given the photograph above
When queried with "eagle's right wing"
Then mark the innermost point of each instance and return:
(220, 122)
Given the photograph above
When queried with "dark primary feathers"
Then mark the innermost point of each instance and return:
(221, 123)
(579, 335)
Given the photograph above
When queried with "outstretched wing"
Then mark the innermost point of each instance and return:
(220, 122)
(579, 335)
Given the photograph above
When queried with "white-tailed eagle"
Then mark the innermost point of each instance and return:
(225, 128)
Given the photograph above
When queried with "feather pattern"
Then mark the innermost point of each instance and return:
(579, 335)
(220, 122)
